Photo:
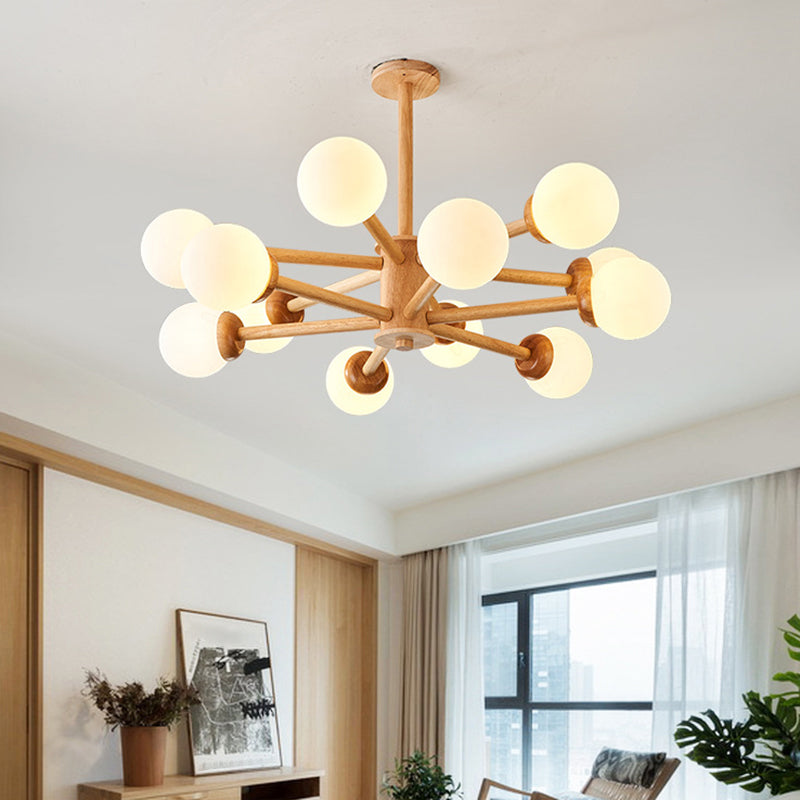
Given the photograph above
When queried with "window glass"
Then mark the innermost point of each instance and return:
(593, 643)
(564, 744)
(587, 652)
(500, 650)
(504, 748)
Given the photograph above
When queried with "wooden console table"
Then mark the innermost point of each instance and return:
(286, 783)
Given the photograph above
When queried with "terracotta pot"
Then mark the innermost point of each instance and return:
(143, 751)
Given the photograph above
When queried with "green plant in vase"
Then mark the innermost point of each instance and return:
(129, 705)
(419, 777)
(763, 752)
(144, 718)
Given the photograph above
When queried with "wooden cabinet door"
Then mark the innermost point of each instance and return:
(19, 625)
(335, 673)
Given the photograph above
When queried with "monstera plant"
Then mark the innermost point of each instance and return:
(763, 752)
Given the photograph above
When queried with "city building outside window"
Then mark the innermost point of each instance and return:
(568, 669)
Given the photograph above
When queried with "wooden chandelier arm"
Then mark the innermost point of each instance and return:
(347, 285)
(496, 310)
(384, 239)
(256, 332)
(479, 340)
(516, 228)
(316, 257)
(534, 277)
(307, 290)
(421, 297)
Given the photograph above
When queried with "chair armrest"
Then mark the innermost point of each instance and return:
(541, 796)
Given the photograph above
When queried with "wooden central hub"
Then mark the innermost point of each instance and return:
(399, 282)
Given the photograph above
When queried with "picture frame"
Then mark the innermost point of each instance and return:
(228, 660)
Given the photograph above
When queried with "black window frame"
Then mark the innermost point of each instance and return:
(522, 700)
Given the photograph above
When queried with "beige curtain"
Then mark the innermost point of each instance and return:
(424, 652)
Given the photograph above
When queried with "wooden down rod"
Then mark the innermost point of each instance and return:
(384, 239)
(375, 360)
(405, 160)
(478, 340)
(311, 292)
(515, 228)
(255, 332)
(421, 297)
(282, 255)
(347, 285)
(534, 278)
(493, 311)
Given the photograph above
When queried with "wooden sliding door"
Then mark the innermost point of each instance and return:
(19, 623)
(335, 673)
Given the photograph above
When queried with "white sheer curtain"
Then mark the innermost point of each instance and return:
(464, 727)
(728, 564)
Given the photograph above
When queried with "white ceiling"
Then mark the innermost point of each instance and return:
(114, 112)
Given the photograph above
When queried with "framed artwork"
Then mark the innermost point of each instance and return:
(227, 659)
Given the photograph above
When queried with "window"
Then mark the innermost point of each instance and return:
(567, 670)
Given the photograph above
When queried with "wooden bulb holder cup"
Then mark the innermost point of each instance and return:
(461, 325)
(278, 311)
(581, 288)
(229, 344)
(538, 363)
(358, 381)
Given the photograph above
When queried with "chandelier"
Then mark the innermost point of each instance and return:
(243, 301)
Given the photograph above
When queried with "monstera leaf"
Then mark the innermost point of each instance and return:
(724, 748)
(792, 638)
(763, 752)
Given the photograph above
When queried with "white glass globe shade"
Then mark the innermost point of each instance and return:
(456, 354)
(571, 367)
(463, 243)
(225, 267)
(575, 206)
(341, 181)
(188, 341)
(630, 298)
(345, 398)
(256, 314)
(606, 255)
(164, 241)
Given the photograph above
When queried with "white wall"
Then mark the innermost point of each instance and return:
(599, 555)
(755, 442)
(53, 402)
(115, 569)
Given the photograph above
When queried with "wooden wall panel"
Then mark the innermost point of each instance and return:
(335, 673)
(19, 623)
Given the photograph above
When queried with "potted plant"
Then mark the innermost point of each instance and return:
(419, 777)
(763, 752)
(143, 719)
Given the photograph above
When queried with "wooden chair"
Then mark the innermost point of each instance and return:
(599, 788)
(609, 790)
